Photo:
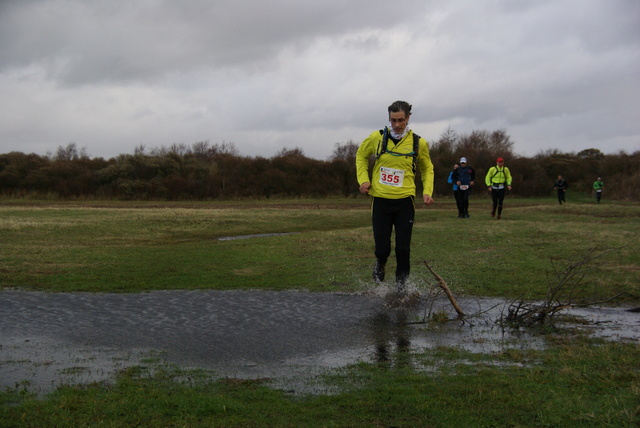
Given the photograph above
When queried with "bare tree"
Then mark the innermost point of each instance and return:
(345, 151)
(70, 153)
(567, 289)
(201, 148)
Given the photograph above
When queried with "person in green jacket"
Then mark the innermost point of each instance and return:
(598, 185)
(498, 179)
(398, 153)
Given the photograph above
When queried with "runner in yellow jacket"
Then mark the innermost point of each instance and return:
(393, 187)
(498, 179)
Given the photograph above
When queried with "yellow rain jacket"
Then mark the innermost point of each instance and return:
(497, 176)
(393, 175)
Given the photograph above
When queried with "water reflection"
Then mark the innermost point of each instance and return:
(392, 337)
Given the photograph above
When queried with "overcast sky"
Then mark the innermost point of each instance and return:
(265, 75)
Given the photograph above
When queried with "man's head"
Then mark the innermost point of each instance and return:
(399, 113)
(463, 161)
(500, 161)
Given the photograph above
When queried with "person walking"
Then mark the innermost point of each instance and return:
(464, 177)
(598, 185)
(398, 153)
(561, 186)
(455, 186)
(498, 179)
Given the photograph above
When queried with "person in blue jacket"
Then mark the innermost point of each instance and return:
(455, 186)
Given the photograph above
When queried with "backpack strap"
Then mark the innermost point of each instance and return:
(382, 147)
(416, 150)
(504, 175)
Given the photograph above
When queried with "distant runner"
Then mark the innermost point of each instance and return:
(561, 186)
(598, 185)
(498, 179)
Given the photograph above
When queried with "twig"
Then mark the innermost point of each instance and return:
(443, 284)
(564, 289)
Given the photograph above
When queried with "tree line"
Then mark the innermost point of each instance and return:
(205, 171)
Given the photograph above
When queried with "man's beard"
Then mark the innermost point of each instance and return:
(398, 136)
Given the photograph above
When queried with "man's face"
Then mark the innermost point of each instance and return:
(399, 121)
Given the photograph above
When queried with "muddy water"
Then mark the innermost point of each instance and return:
(72, 338)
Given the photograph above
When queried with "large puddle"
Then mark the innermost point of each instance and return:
(48, 340)
(261, 235)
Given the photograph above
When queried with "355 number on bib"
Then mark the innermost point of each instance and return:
(391, 176)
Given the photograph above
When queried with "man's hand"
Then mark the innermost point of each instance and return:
(428, 200)
(364, 188)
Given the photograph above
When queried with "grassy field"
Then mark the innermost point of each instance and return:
(135, 246)
(128, 247)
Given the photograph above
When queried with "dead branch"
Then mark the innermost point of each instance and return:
(564, 289)
(443, 284)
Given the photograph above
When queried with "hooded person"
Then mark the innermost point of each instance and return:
(455, 186)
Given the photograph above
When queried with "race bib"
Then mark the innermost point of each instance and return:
(498, 186)
(391, 176)
(464, 186)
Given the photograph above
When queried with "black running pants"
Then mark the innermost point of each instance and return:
(387, 215)
(498, 198)
(462, 200)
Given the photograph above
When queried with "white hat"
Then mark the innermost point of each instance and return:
(463, 160)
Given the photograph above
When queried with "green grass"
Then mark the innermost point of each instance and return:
(128, 247)
(570, 385)
(132, 247)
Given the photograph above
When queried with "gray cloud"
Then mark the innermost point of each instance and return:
(109, 75)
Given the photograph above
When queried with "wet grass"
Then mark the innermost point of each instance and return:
(128, 247)
(571, 384)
